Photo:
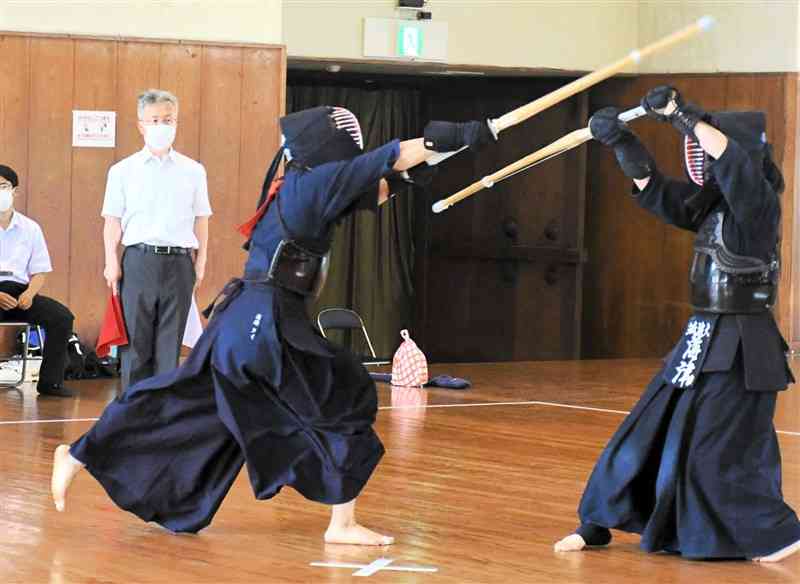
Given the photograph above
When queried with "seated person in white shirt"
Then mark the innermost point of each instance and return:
(24, 264)
(156, 205)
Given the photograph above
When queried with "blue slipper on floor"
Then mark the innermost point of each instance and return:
(384, 377)
(445, 381)
(448, 382)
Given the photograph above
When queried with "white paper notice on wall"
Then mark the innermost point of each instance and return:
(94, 129)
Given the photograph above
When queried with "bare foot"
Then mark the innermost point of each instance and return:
(356, 534)
(571, 543)
(780, 554)
(65, 467)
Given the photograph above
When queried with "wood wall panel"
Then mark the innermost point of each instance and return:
(790, 310)
(181, 72)
(15, 110)
(263, 93)
(777, 96)
(219, 85)
(95, 89)
(50, 164)
(636, 287)
(138, 68)
(220, 145)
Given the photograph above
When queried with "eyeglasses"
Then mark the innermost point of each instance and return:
(155, 120)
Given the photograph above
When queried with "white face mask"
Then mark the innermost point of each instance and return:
(6, 199)
(159, 136)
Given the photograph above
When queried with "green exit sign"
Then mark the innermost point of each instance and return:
(409, 40)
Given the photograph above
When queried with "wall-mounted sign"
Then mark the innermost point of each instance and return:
(94, 129)
(402, 39)
(409, 41)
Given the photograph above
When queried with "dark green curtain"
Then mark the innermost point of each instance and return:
(372, 260)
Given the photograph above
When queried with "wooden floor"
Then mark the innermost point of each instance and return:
(478, 484)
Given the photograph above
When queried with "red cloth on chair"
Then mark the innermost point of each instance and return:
(112, 331)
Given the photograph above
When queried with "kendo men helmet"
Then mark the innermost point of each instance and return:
(322, 134)
(748, 129)
(315, 136)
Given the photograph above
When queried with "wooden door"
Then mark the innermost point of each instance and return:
(499, 275)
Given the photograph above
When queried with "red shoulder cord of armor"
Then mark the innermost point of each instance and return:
(248, 226)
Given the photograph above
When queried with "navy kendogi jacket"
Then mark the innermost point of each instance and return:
(310, 203)
(752, 214)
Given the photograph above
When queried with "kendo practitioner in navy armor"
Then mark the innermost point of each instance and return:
(262, 386)
(695, 468)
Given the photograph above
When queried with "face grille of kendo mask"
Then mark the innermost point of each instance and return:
(345, 120)
(695, 158)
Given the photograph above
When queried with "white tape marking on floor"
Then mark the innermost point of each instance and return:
(378, 565)
(424, 407)
(375, 566)
(520, 403)
(9, 422)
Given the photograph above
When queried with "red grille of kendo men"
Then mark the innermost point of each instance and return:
(695, 158)
(345, 120)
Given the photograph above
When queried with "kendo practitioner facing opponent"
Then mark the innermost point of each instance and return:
(695, 467)
(262, 386)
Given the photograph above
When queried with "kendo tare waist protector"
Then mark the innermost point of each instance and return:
(295, 268)
(723, 282)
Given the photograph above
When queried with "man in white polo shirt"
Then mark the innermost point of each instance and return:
(24, 264)
(156, 205)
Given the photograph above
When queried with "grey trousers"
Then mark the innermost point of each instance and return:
(156, 292)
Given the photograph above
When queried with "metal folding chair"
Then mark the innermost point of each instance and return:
(346, 319)
(14, 347)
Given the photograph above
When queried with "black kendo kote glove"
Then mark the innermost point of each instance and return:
(449, 136)
(419, 176)
(683, 116)
(633, 158)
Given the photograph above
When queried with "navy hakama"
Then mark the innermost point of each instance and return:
(261, 387)
(695, 471)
